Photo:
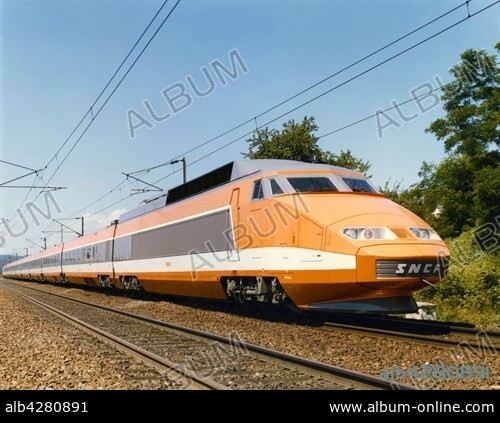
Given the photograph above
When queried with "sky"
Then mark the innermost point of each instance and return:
(57, 56)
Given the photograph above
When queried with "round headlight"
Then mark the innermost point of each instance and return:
(351, 233)
(368, 234)
(424, 233)
(416, 232)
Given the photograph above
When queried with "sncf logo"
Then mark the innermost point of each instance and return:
(411, 269)
(418, 268)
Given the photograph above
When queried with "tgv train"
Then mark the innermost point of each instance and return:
(314, 236)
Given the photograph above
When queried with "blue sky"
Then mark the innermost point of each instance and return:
(56, 56)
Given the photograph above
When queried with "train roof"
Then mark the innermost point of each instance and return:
(229, 172)
(247, 167)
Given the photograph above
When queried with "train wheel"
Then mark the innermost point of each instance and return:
(106, 282)
(131, 283)
(255, 289)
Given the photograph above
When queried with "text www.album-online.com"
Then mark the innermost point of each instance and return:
(433, 407)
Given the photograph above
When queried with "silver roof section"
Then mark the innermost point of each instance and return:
(241, 168)
(247, 167)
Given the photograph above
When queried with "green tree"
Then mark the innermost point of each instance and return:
(296, 141)
(465, 186)
(472, 105)
(410, 198)
(463, 191)
(347, 160)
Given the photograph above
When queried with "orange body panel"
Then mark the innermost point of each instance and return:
(105, 234)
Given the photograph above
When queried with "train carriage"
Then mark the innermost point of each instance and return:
(283, 232)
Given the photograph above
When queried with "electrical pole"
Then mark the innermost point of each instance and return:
(183, 160)
(34, 243)
(67, 227)
(155, 188)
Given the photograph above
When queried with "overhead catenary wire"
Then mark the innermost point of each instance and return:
(35, 181)
(319, 96)
(378, 112)
(18, 165)
(395, 41)
(90, 109)
(338, 72)
(116, 187)
(247, 134)
(31, 172)
(94, 115)
(309, 88)
(103, 90)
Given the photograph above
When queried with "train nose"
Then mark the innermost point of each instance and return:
(401, 267)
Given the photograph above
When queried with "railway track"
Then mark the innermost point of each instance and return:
(431, 327)
(203, 360)
(428, 332)
(466, 329)
(477, 340)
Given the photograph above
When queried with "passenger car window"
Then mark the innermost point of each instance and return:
(312, 184)
(275, 188)
(257, 190)
(358, 185)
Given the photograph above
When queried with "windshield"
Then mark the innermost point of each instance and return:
(312, 184)
(359, 185)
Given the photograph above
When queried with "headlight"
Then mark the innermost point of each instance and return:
(351, 233)
(368, 233)
(423, 233)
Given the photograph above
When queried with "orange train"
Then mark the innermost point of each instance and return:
(282, 232)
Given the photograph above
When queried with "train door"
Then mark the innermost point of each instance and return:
(41, 277)
(232, 251)
(110, 252)
(61, 264)
(310, 240)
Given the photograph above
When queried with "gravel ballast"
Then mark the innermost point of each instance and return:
(354, 351)
(39, 350)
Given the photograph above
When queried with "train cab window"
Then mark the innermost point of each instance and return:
(312, 184)
(275, 188)
(258, 192)
(359, 185)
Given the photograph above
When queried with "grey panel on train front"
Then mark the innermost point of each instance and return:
(203, 234)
